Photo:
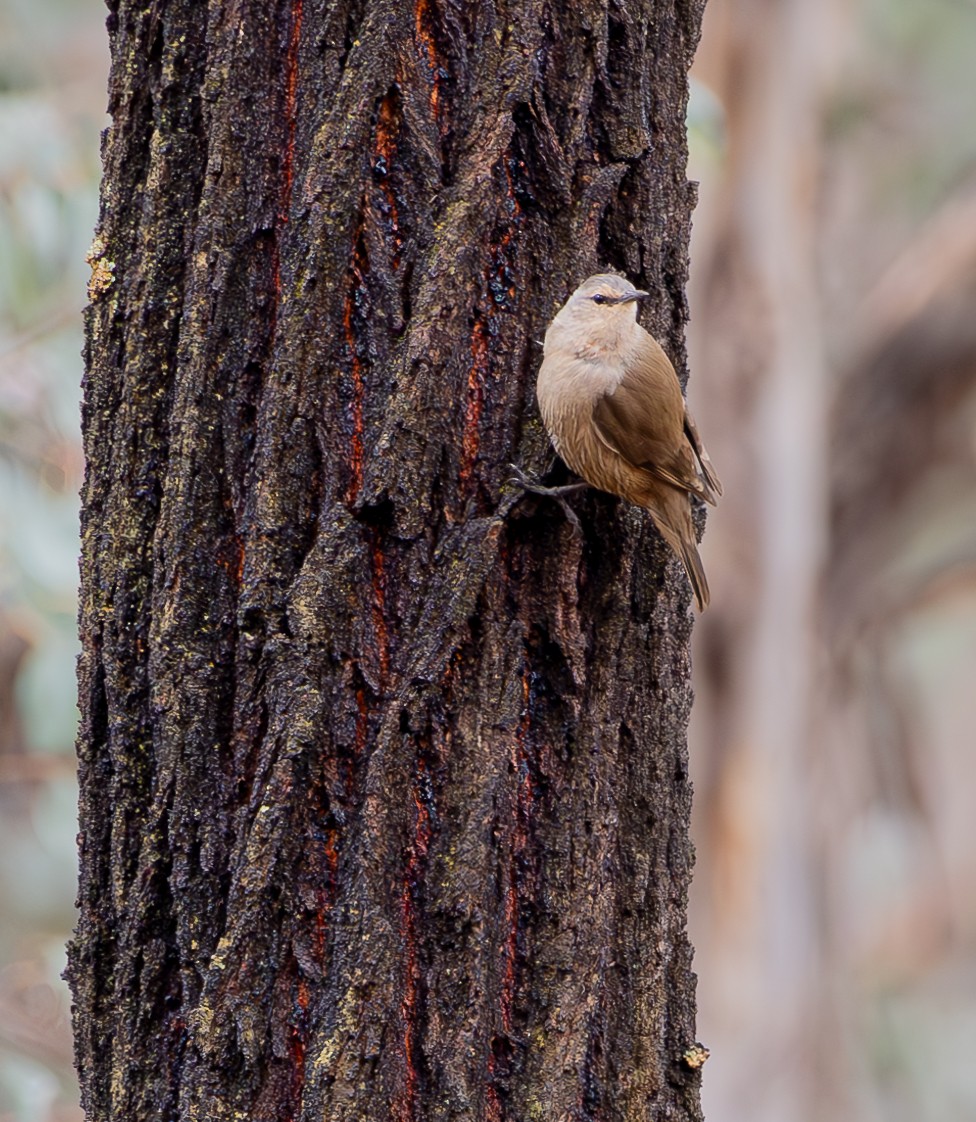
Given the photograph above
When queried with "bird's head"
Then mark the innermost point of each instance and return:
(601, 312)
(606, 295)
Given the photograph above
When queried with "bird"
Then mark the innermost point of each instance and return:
(612, 405)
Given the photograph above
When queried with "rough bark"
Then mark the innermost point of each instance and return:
(384, 807)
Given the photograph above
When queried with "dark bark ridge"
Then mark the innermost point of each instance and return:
(384, 804)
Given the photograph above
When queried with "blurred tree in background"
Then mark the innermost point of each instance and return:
(834, 356)
(839, 863)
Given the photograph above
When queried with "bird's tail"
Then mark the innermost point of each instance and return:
(691, 559)
(684, 545)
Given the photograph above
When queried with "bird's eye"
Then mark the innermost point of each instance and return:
(599, 298)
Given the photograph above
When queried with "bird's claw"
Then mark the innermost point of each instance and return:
(558, 493)
(537, 488)
(526, 481)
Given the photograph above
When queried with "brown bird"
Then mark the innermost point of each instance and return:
(612, 404)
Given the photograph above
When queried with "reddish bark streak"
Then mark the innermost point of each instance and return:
(520, 841)
(387, 130)
(297, 1045)
(477, 373)
(524, 796)
(500, 296)
(493, 1106)
(425, 19)
(403, 1107)
(326, 895)
(230, 557)
(379, 609)
(356, 369)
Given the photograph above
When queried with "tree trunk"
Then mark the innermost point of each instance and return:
(384, 807)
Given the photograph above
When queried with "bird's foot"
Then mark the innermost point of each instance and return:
(527, 483)
(533, 485)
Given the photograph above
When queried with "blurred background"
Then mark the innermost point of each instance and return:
(833, 358)
(833, 347)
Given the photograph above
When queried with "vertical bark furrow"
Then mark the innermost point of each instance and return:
(153, 158)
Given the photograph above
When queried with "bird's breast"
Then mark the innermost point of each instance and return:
(567, 390)
(578, 376)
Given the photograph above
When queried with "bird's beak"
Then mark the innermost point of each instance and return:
(640, 294)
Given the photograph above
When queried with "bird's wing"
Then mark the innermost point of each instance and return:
(645, 422)
(711, 478)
